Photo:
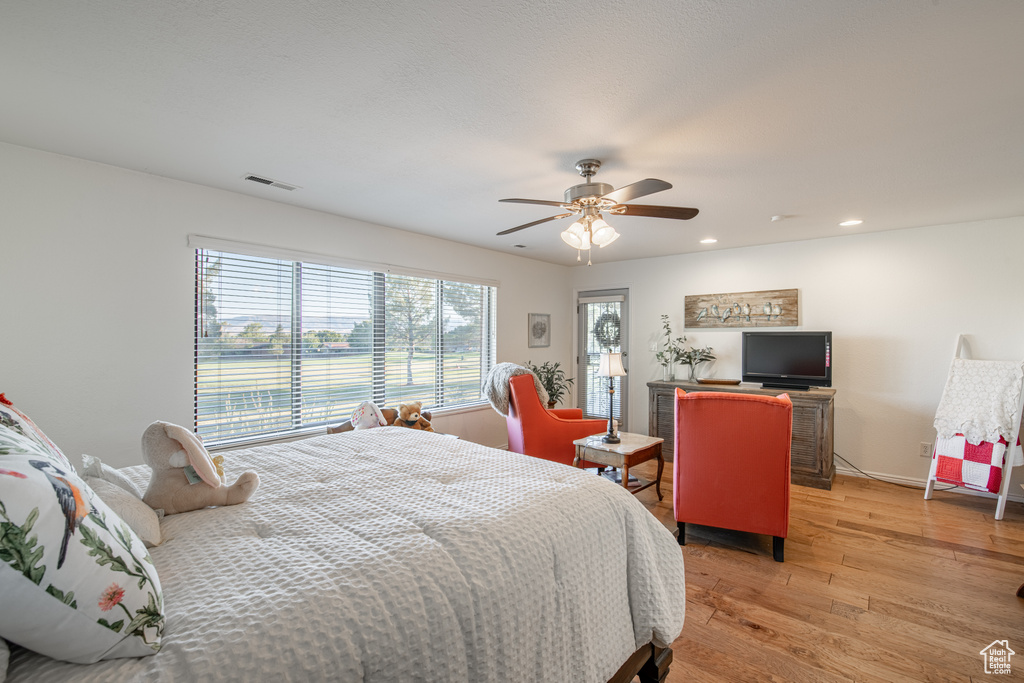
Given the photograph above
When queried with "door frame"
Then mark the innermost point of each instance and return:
(625, 417)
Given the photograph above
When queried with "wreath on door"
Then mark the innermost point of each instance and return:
(607, 330)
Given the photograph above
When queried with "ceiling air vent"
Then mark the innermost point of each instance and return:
(273, 183)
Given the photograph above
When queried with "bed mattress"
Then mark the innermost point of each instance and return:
(396, 555)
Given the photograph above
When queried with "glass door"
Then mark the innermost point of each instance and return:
(603, 317)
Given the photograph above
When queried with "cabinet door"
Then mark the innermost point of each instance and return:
(665, 420)
(806, 428)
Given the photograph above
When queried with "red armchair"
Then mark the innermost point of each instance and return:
(732, 463)
(535, 430)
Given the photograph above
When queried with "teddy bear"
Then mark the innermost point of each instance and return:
(409, 416)
(185, 477)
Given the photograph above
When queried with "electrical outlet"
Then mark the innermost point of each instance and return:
(926, 450)
(654, 346)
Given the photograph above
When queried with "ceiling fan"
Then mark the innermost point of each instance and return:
(589, 199)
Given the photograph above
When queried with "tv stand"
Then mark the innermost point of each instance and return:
(811, 449)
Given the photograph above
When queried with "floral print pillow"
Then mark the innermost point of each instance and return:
(77, 583)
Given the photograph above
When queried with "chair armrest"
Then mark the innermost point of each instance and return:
(567, 413)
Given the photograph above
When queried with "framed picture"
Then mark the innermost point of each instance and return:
(539, 331)
(767, 308)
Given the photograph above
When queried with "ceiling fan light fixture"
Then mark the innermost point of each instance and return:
(603, 234)
(574, 236)
(585, 239)
(614, 236)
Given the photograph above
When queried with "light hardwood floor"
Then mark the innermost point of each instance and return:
(878, 585)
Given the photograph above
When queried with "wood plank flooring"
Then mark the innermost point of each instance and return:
(878, 585)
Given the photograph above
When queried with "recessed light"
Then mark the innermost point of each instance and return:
(519, 246)
(850, 223)
(709, 240)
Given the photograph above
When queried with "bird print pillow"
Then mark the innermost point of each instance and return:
(77, 583)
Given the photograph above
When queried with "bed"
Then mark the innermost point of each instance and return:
(397, 555)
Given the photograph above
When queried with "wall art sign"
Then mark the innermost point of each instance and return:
(769, 308)
(539, 331)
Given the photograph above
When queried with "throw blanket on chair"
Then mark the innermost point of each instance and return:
(495, 386)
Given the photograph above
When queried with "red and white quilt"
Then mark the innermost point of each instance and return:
(964, 464)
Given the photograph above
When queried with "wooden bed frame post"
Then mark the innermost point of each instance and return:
(650, 663)
(655, 669)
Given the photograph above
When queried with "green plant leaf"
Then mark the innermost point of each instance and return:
(103, 553)
(144, 617)
(67, 598)
(19, 549)
(116, 626)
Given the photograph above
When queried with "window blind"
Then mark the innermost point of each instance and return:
(283, 345)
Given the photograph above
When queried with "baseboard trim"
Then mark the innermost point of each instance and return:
(921, 483)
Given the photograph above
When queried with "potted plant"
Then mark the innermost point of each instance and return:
(671, 351)
(553, 379)
(694, 357)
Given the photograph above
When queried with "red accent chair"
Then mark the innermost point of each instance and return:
(732, 463)
(548, 434)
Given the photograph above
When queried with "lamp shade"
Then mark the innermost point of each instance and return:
(603, 234)
(571, 236)
(577, 236)
(611, 365)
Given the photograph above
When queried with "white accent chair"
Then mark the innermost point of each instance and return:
(982, 401)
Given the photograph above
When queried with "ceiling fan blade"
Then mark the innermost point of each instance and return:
(638, 189)
(530, 225)
(543, 202)
(651, 211)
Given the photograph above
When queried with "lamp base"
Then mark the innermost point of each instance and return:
(611, 438)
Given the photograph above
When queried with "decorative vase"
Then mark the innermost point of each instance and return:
(668, 373)
(552, 404)
(693, 372)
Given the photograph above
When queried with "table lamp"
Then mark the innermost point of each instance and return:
(611, 367)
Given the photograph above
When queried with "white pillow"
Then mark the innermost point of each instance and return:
(93, 467)
(140, 517)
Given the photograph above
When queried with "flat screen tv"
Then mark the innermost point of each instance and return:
(788, 360)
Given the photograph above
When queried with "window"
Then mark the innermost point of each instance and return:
(283, 345)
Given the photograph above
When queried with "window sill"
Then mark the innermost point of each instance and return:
(321, 430)
(456, 410)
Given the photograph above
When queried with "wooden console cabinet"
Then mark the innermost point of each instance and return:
(811, 451)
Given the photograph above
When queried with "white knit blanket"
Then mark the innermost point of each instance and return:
(980, 400)
(495, 386)
(390, 555)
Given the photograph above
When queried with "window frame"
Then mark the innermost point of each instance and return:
(433, 396)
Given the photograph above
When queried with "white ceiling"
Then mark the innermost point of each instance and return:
(421, 115)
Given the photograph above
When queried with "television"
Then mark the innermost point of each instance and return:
(788, 360)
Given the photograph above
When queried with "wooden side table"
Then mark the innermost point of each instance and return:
(632, 450)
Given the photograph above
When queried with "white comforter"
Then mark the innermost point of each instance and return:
(396, 555)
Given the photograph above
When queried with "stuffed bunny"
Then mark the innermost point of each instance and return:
(185, 477)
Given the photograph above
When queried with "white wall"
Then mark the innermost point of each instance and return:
(98, 288)
(98, 284)
(895, 302)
